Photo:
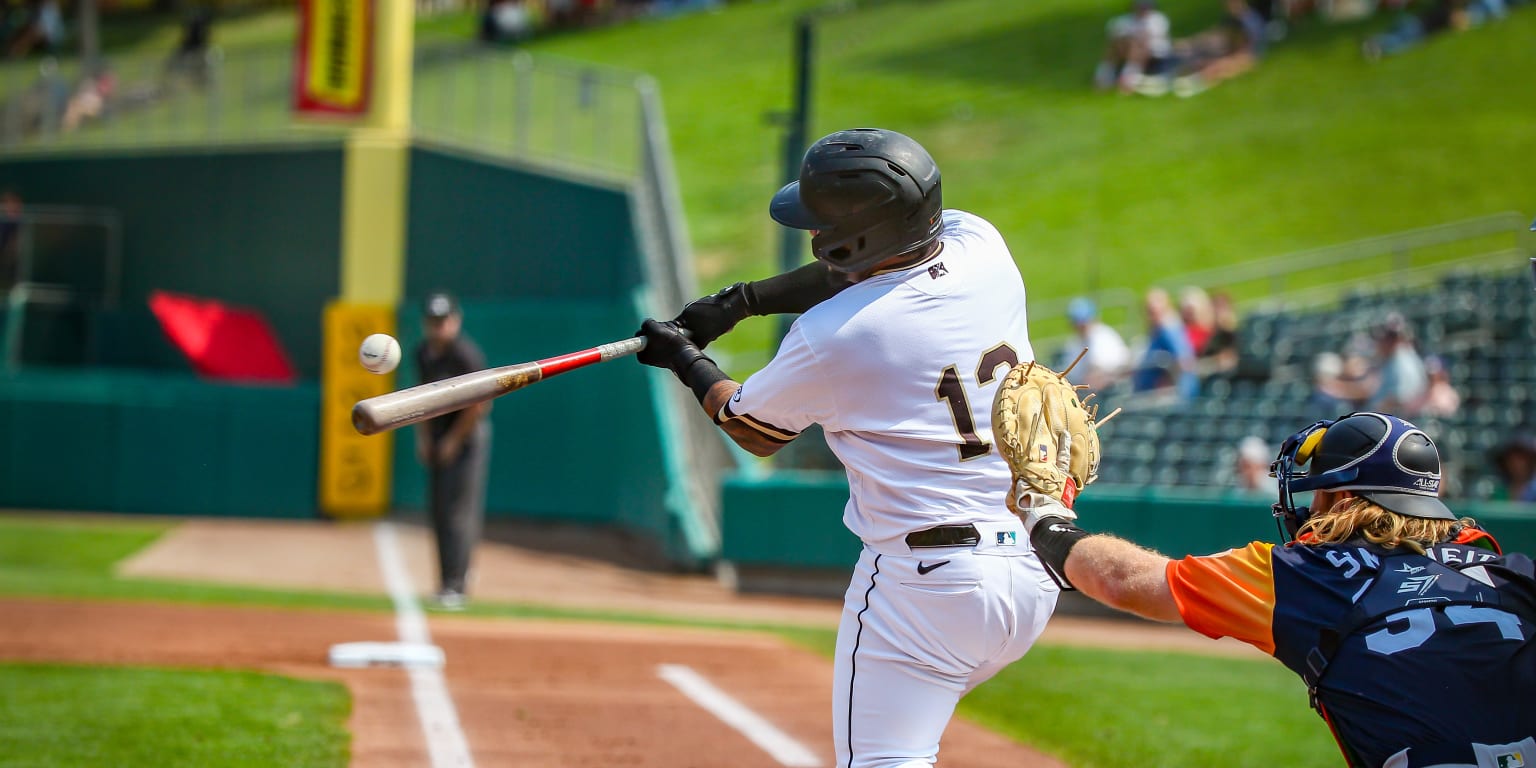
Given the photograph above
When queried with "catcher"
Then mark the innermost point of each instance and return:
(1412, 632)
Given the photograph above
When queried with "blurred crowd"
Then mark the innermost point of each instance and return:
(1143, 56)
(512, 21)
(1196, 338)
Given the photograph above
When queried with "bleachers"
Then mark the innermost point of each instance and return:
(1482, 323)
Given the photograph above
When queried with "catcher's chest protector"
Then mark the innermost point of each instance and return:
(1435, 651)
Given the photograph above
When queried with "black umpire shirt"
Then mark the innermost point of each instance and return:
(458, 357)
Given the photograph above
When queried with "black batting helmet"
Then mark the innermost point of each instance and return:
(869, 194)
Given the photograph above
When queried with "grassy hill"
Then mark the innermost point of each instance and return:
(1317, 146)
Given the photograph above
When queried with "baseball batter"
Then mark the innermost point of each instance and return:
(897, 361)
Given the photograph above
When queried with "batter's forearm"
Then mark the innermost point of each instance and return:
(754, 442)
(1120, 574)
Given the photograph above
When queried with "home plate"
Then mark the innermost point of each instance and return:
(408, 655)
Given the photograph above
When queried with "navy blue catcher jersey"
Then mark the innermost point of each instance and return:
(1428, 653)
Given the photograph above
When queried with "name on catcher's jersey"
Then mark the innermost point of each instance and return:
(900, 370)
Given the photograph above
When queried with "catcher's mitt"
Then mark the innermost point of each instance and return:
(1048, 436)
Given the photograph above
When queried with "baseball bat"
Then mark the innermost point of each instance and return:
(426, 401)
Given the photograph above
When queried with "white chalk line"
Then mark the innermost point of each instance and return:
(778, 744)
(446, 744)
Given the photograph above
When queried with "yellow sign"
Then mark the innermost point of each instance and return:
(335, 64)
(354, 470)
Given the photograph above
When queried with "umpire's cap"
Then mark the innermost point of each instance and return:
(439, 304)
(868, 194)
(1379, 457)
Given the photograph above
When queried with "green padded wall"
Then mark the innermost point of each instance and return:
(256, 227)
(488, 229)
(156, 443)
(794, 519)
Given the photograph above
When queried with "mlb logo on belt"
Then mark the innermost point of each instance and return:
(1512, 760)
(1010, 538)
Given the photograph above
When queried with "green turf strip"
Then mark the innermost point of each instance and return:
(1097, 708)
(75, 558)
(99, 716)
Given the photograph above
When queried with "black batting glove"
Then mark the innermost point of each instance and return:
(713, 316)
(666, 346)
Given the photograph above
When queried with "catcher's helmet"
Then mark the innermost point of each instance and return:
(869, 194)
(1381, 458)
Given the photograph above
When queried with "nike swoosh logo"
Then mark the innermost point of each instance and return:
(923, 568)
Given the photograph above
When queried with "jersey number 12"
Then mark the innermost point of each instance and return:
(951, 392)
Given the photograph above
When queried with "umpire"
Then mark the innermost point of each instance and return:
(1414, 635)
(455, 448)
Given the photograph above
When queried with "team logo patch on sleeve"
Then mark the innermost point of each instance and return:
(938, 270)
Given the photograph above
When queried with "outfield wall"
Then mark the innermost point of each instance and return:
(784, 530)
(544, 265)
(252, 226)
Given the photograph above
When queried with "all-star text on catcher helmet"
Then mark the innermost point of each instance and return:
(868, 194)
(1377, 456)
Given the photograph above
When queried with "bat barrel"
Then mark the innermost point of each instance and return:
(427, 401)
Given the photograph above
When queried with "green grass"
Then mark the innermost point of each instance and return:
(1092, 707)
(1098, 708)
(75, 558)
(1317, 146)
(88, 716)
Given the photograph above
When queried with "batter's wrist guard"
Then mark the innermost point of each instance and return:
(794, 291)
(1054, 538)
(698, 373)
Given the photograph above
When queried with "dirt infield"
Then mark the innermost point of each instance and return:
(528, 693)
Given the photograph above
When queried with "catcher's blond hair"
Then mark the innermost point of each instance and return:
(1357, 517)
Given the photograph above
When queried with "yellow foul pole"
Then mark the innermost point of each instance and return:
(355, 470)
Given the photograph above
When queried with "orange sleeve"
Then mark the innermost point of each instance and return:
(1231, 594)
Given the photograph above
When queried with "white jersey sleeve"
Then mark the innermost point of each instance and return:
(788, 395)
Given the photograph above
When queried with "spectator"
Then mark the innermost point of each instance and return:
(1224, 51)
(1253, 460)
(1327, 389)
(1440, 397)
(1402, 379)
(1441, 15)
(1139, 45)
(506, 21)
(1108, 357)
(1221, 352)
(190, 59)
(10, 240)
(1516, 462)
(1198, 317)
(1169, 361)
(42, 32)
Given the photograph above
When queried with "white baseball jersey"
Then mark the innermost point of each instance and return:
(900, 370)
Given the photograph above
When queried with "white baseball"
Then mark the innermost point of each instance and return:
(379, 353)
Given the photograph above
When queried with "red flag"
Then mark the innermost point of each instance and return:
(222, 341)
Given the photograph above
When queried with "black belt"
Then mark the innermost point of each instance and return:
(945, 536)
(1441, 754)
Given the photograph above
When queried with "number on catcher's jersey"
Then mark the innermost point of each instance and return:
(952, 393)
(1412, 628)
